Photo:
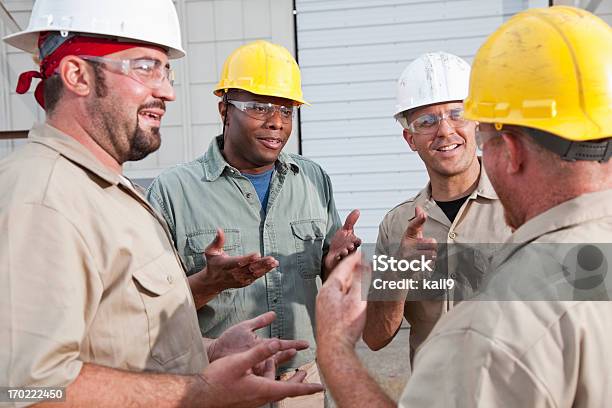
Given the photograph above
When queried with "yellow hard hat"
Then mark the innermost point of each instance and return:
(548, 69)
(262, 68)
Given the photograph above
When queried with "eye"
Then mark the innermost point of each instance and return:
(286, 112)
(260, 108)
(144, 67)
(426, 121)
(456, 114)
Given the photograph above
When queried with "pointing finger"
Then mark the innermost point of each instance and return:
(351, 220)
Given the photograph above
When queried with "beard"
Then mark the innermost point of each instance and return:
(119, 133)
(143, 143)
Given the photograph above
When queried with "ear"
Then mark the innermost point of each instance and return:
(76, 75)
(516, 152)
(408, 137)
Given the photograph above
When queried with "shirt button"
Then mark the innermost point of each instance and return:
(275, 300)
(452, 235)
(453, 275)
(249, 195)
(169, 278)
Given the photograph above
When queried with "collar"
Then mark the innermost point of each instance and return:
(578, 210)
(214, 163)
(71, 149)
(484, 189)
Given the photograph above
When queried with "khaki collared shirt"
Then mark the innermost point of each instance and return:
(470, 239)
(524, 354)
(301, 218)
(88, 273)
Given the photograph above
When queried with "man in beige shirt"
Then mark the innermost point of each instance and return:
(93, 296)
(525, 341)
(457, 215)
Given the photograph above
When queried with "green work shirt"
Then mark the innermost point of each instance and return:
(301, 218)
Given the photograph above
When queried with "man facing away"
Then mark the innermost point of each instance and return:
(541, 90)
(455, 216)
(92, 293)
(246, 197)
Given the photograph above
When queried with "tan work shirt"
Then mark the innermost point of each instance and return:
(524, 354)
(87, 271)
(480, 221)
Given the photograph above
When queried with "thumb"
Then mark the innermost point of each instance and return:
(351, 220)
(242, 362)
(415, 226)
(216, 247)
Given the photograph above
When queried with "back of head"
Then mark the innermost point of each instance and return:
(262, 68)
(432, 78)
(547, 69)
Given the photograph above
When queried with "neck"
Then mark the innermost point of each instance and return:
(578, 179)
(243, 165)
(78, 133)
(448, 188)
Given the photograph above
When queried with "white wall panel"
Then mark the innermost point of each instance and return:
(351, 53)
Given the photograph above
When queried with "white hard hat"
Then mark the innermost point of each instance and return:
(150, 21)
(432, 78)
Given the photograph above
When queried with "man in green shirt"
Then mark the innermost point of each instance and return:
(245, 197)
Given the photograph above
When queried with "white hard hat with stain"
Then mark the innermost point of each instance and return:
(151, 21)
(432, 78)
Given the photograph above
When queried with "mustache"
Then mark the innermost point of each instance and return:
(156, 104)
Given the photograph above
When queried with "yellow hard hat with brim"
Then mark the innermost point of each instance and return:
(262, 68)
(548, 69)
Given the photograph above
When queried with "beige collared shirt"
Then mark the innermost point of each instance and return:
(551, 353)
(88, 273)
(470, 239)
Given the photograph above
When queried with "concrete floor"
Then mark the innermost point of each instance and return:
(389, 366)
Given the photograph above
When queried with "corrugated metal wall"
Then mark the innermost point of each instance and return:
(211, 30)
(351, 53)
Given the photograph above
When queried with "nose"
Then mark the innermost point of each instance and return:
(274, 121)
(445, 129)
(165, 91)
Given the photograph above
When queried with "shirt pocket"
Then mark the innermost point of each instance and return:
(170, 314)
(308, 236)
(198, 241)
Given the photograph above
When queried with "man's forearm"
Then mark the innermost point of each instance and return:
(202, 291)
(383, 320)
(349, 382)
(98, 386)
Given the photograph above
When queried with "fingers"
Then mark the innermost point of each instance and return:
(270, 369)
(343, 272)
(262, 266)
(414, 229)
(298, 377)
(351, 220)
(216, 247)
(261, 321)
(241, 261)
(241, 362)
(286, 389)
(294, 344)
(283, 356)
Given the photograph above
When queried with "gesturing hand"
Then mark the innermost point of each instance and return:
(232, 382)
(343, 243)
(340, 308)
(242, 337)
(413, 244)
(224, 271)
